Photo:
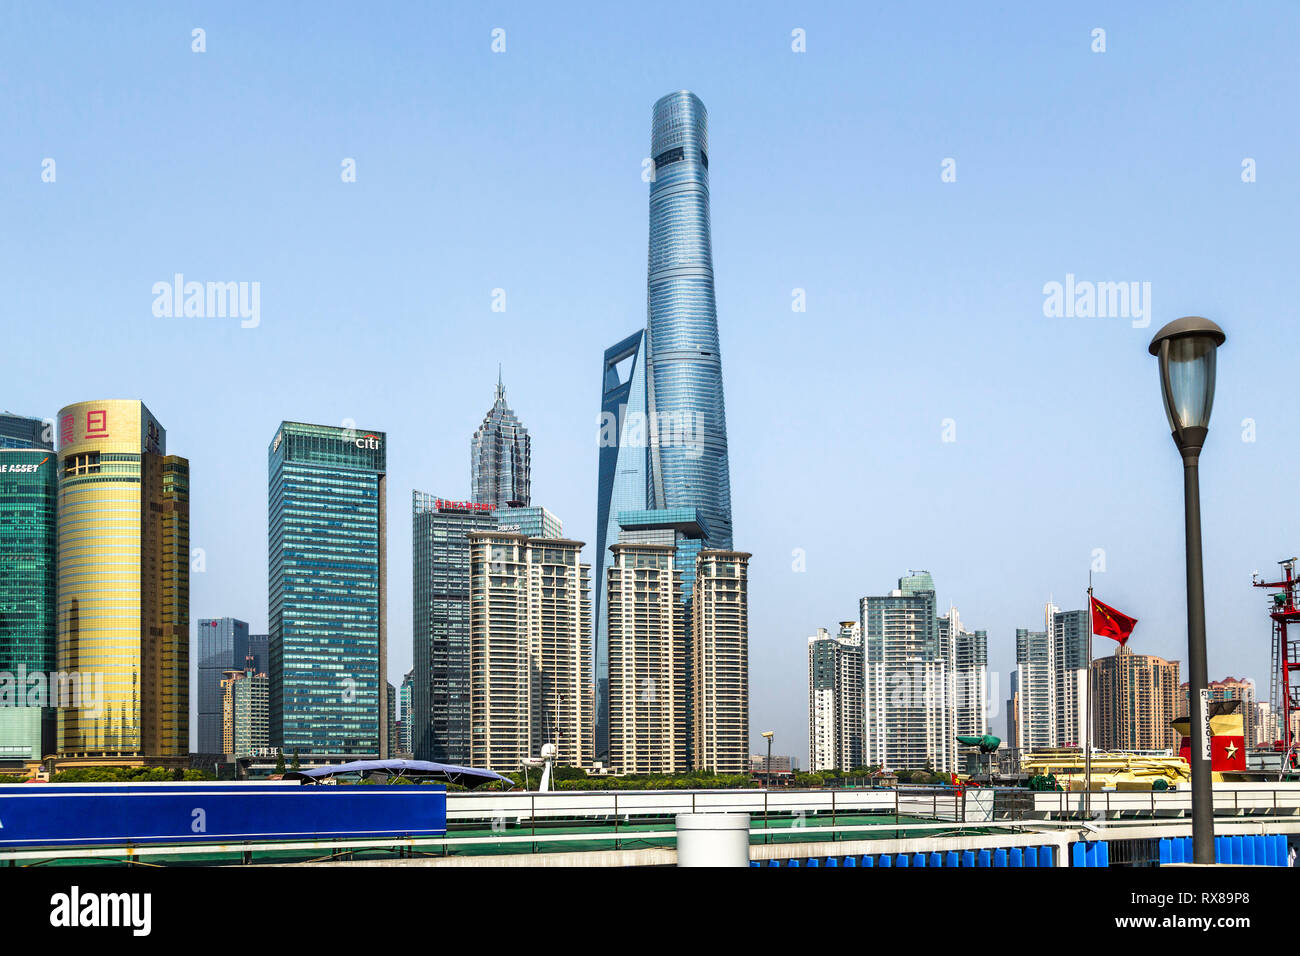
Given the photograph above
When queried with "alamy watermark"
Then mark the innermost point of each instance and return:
(635, 429)
(1098, 300)
(75, 690)
(208, 300)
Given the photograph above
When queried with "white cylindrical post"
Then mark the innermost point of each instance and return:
(713, 839)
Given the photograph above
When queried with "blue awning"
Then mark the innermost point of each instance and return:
(425, 769)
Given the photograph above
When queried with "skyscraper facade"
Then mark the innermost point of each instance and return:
(836, 717)
(29, 496)
(124, 565)
(404, 719)
(440, 528)
(530, 650)
(720, 662)
(909, 715)
(327, 575)
(1071, 638)
(245, 702)
(20, 431)
(223, 645)
(688, 445)
(663, 426)
(1052, 666)
(1134, 700)
(966, 653)
(501, 457)
(647, 661)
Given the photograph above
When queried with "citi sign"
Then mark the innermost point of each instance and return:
(368, 442)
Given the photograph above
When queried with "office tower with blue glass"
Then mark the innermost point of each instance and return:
(327, 575)
(663, 425)
(501, 457)
(223, 645)
(29, 496)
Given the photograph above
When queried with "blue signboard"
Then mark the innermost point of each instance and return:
(83, 814)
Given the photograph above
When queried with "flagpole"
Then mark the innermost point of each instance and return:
(1087, 730)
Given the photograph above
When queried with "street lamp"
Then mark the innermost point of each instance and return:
(1186, 349)
(767, 780)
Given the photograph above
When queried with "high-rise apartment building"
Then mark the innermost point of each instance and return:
(648, 634)
(440, 528)
(909, 713)
(405, 724)
(327, 570)
(124, 565)
(1036, 679)
(836, 688)
(501, 457)
(29, 497)
(223, 645)
(245, 706)
(720, 662)
(1071, 638)
(967, 655)
(529, 649)
(1267, 725)
(663, 426)
(1052, 677)
(1134, 701)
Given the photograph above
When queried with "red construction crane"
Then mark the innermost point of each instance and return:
(1284, 689)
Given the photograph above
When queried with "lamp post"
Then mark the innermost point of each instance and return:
(1186, 349)
(767, 780)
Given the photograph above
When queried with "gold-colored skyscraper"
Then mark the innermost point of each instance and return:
(1134, 701)
(124, 543)
(720, 662)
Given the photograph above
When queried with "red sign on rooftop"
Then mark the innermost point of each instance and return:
(443, 504)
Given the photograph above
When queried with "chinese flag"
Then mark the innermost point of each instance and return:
(1108, 622)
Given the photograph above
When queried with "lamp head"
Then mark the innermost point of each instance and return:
(1186, 349)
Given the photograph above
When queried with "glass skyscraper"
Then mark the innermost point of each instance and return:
(663, 428)
(19, 431)
(29, 494)
(223, 644)
(501, 457)
(326, 542)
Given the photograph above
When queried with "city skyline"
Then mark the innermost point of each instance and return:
(845, 203)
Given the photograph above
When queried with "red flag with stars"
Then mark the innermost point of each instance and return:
(1108, 622)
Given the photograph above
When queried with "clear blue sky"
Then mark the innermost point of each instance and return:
(522, 171)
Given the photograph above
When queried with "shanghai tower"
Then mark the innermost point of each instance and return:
(663, 445)
(688, 449)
